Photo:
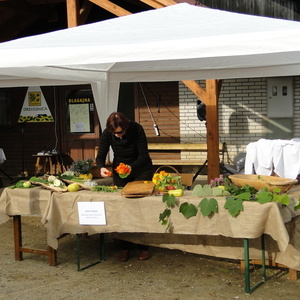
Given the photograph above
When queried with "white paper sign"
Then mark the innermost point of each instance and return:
(91, 213)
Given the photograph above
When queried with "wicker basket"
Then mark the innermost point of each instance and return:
(261, 181)
(186, 178)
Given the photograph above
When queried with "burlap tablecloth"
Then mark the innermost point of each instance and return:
(23, 202)
(137, 219)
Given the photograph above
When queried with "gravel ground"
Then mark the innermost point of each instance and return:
(168, 274)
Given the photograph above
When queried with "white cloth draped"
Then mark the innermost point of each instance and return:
(281, 156)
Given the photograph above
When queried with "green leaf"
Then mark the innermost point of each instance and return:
(163, 217)
(226, 193)
(277, 190)
(188, 210)
(244, 196)
(169, 199)
(202, 191)
(216, 191)
(207, 189)
(208, 206)
(37, 179)
(196, 190)
(297, 206)
(264, 196)
(284, 199)
(234, 206)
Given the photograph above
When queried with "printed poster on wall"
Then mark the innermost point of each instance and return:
(35, 108)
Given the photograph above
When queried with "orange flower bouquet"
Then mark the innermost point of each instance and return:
(123, 170)
(165, 182)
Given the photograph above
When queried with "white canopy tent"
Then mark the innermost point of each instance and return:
(179, 42)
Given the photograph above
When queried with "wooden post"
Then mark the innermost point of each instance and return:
(18, 237)
(212, 127)
(73, 13)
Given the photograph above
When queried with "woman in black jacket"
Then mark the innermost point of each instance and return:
(129, 144)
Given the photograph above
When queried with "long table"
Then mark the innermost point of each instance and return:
(136, 219)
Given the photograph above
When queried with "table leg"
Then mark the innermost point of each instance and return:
(37, 165)
(51, 170)
(249, 289)
(101, 252)
(18, 237)
(19, 249)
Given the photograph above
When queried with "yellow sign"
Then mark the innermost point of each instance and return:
(34, 99)
(35, 108)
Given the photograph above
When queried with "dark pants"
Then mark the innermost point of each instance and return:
(121, 182)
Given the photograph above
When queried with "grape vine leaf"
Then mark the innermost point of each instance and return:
(264, 196)
(208, 206)
(297, 206)
(202, 191)
(163, 217)
(169, 199)
(216, 191)
(234, 205)
(246, 196)
(188, 210)
(284, 199)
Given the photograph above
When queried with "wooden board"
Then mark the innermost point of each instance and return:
(81, 184)
(137, 189)
(51, 188)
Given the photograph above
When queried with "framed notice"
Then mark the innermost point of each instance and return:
(91, 213)
(80, 112)
(79, 117)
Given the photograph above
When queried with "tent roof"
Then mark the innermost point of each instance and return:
(179, 42)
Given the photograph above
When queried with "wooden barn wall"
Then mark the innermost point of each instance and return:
(270, 8)
(36, 136)
(158, 102)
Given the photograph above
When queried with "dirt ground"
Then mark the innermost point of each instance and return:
(167, 275)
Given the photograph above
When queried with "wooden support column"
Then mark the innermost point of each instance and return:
(73, 13)
(210, 96)
(212, 127)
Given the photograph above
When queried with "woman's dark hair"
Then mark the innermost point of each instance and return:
(115, 120)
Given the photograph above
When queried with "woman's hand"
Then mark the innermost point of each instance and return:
(105, 173)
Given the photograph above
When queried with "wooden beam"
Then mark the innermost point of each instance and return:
(111, 7)
(159, 3)
(167, 2)
(196, 88)
(212, 127)
(73, 13)
(153, 3)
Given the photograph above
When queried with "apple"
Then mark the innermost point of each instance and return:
(26, 184)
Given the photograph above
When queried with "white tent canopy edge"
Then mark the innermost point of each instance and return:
(179, 42)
